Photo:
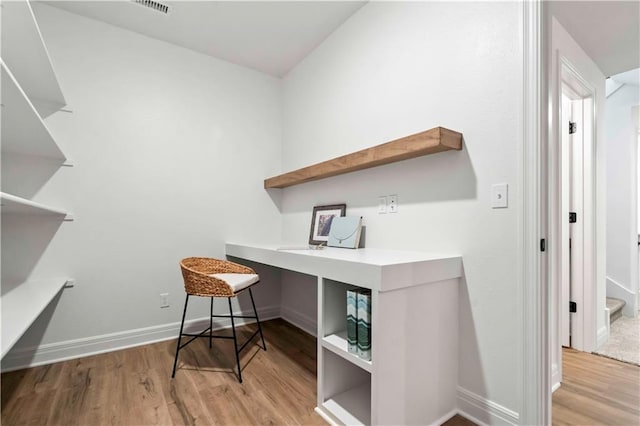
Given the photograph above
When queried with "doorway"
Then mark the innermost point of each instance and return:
(573, 219)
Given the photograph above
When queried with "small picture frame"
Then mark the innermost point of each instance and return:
(321, 222)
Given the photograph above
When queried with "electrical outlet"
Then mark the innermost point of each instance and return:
(164, 300)
(393, 204)
(382, 205)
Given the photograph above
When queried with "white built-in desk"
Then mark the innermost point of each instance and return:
(413, 374)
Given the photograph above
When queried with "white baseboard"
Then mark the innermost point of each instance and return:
(444, 418)
(603, 335)
(62, 351)
(555, 377)
(300, 320)
(483, 411)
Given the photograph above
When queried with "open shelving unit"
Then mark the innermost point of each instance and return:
(428, 142)
(345, 389)
(30, 91)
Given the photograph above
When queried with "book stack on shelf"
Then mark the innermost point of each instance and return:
(359, 323)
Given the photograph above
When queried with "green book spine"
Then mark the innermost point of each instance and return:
(364, 324)
(352, 322)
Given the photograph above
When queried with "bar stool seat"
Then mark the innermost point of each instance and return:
(207, 277)
(237, 282)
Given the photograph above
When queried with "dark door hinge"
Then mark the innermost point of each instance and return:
(543, 245)
(573, 127)
(573, 217)
(573, 307)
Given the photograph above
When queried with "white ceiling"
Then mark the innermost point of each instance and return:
(274, 36)
(269, 36)
(608, 31)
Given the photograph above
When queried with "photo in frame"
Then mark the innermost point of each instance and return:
(321, 222)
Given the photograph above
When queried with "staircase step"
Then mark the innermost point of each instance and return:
(615, 308)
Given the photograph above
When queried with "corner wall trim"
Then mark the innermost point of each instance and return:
(78, 348)
(300, 320)
(484, 411)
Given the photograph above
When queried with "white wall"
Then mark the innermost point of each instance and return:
(170, 149)
(622, 138)
(394, 69)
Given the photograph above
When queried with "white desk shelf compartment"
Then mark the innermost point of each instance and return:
(337, 343)
(25, 52)
(413, 374)
(23, 131)
(23, 304)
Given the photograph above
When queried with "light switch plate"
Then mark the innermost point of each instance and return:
(382, 205)
(500, 196)
(393, 204)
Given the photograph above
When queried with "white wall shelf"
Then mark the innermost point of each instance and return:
(17, 205)
(23, 131)
(337, 343)
(23, 304)
(25, 52)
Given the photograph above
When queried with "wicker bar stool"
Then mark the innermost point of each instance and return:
(206, 277)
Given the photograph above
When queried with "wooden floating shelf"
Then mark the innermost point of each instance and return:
(428, 142)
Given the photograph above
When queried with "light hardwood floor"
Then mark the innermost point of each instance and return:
(133, 387)
(596, 391)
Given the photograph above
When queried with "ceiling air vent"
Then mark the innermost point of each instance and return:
(155, 5)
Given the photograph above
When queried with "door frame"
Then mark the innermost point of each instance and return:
(539, 178)
(583, 322)
(635, 207)
(564, 75)
(534, 292)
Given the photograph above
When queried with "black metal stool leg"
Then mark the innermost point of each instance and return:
(211, 324)
(255, 312)
(235, 340)
(175, 361)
